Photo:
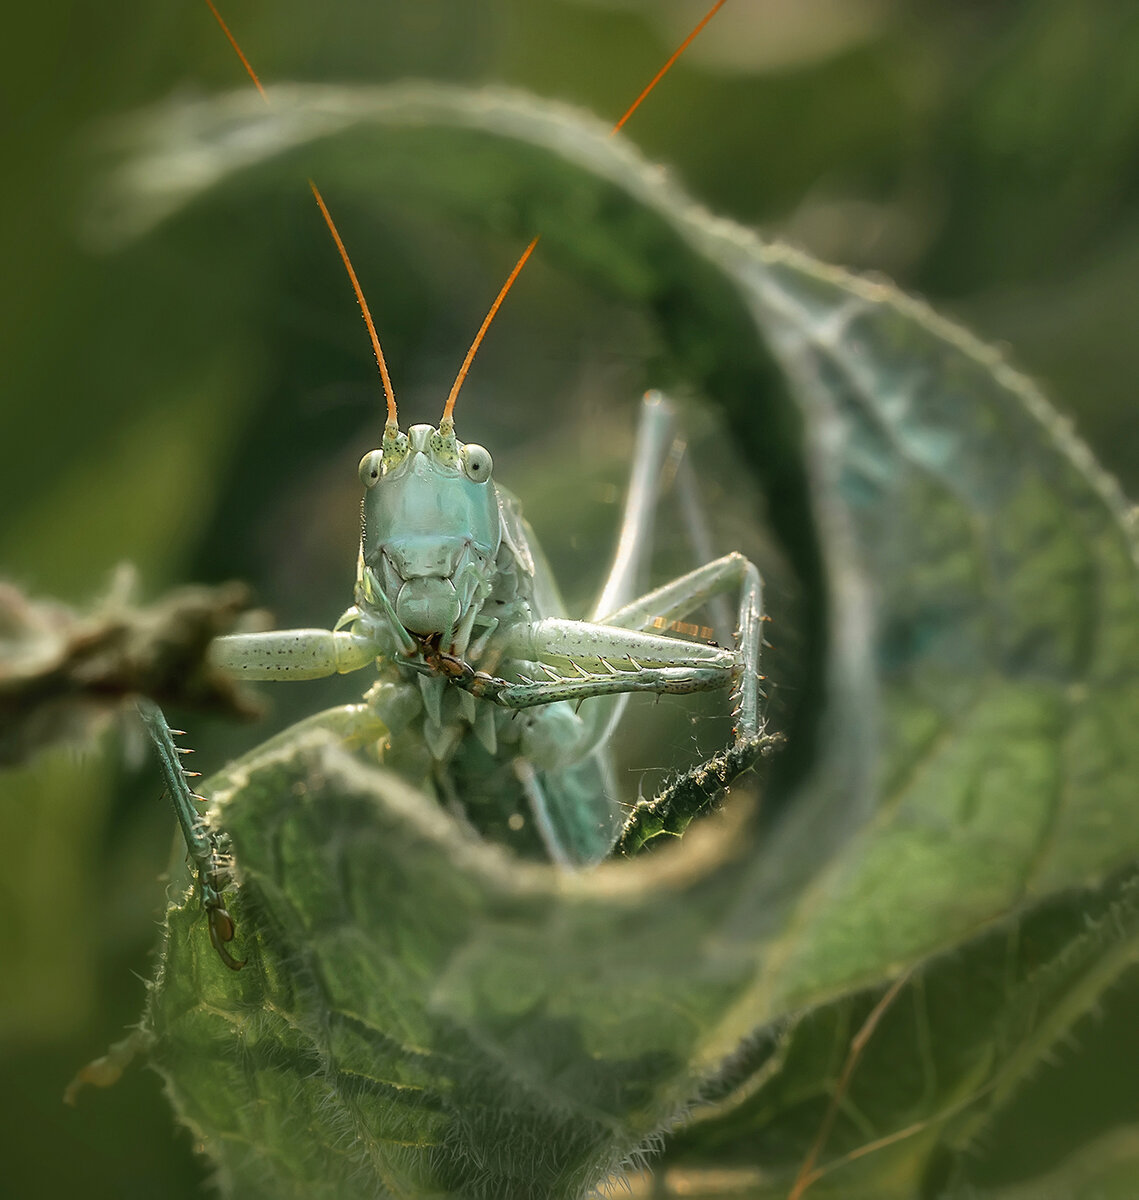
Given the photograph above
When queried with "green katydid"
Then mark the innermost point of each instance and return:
(485, 687)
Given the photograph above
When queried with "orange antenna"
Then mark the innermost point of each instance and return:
(668, 65)
(238, 51)
(393, 417)
(449, 407)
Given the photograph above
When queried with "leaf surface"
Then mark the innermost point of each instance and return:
(424, 1017)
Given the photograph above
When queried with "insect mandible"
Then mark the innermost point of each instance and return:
(485, 688)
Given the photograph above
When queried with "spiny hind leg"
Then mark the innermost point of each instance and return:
(354, 724)
(211, 864)
(679, 597)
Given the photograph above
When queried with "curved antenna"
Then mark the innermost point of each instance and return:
(238, 51)
(393, 416)
(449, 407)
(668, 65)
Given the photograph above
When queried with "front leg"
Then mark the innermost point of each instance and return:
(647, 663)
(293, 653)
(676, 680)
(662, 664)
(681, 596)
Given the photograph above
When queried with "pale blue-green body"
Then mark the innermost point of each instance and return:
(482, 678)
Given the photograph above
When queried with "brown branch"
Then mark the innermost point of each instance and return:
(63, 672)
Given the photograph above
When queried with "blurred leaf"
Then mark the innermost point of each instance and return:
(1030, 145)
(943, 1055)
(1105, 1170)
(422, 1015)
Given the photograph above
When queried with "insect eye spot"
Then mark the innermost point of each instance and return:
(476, 462)
(370, 466)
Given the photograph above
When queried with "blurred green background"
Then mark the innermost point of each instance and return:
(196, 404)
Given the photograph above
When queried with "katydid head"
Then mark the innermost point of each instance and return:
(430, 532)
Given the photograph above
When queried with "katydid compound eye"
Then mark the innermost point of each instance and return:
(370, 467)
(476, 462)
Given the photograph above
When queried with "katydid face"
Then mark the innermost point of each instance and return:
(431, 529)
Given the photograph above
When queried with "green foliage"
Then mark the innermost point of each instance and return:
(955, 808)
(196, 404)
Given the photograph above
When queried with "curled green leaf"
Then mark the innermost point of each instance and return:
(420, 1015)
